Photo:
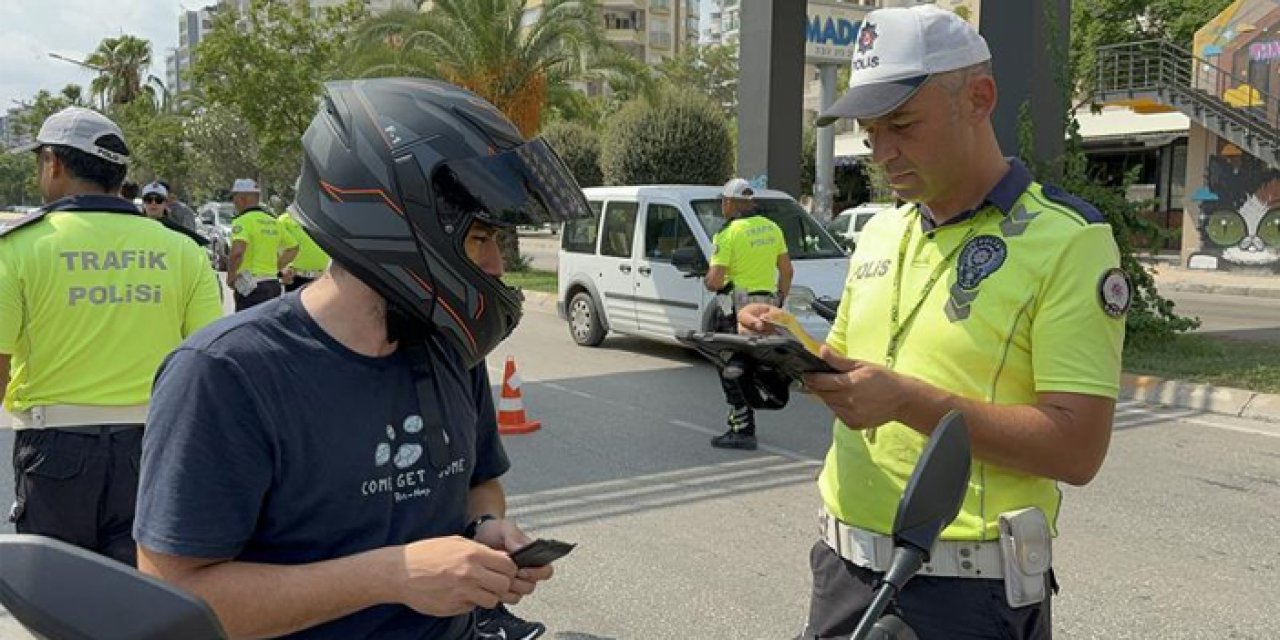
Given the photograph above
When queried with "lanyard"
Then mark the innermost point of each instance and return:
(898, 327)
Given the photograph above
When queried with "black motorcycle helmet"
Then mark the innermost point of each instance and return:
(395, 171)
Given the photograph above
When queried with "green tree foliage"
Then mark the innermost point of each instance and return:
(579, 147)
(710, 70)
(1096, 23)
(808, 157)
(268, 67)
(223, 148)
(17, 179)
(681, 138)
(157, 143)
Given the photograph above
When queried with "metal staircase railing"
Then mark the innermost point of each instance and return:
(1158, 71)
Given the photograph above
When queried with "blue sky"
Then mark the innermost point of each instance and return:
(30, 29)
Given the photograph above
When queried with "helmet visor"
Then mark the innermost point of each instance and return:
(527, 185)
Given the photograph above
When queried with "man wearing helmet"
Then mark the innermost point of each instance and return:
(370, 505)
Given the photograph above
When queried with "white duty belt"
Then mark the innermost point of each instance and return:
(78, 415)
(948, 559)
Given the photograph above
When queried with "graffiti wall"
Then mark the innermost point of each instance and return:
(1238, 205)
(1240, 209)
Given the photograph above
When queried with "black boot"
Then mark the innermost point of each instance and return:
(741, 433)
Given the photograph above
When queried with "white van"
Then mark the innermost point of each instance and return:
(615, 271)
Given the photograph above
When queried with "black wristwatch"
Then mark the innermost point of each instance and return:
(474, 525)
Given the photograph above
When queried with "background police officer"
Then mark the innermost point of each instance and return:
(310, 262)
(92, 296)
(991, 295)
(749, 264)
(258, 248)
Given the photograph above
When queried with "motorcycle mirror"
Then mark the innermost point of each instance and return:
(690, 261)
(935, 492)
(60, 591)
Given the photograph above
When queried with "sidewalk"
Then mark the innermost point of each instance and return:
(1176, 278)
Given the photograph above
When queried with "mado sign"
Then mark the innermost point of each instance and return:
(830, 32)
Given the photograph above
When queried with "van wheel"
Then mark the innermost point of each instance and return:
(584, 321)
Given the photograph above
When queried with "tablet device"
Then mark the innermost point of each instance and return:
(783, 354)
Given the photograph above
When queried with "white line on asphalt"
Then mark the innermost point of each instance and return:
(627, 496)
(1175, 415)
(656, 487)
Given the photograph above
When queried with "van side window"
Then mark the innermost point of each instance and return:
(665, 231)
(619, 229)
(579, 235)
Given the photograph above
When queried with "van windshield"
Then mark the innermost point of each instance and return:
(806, 239)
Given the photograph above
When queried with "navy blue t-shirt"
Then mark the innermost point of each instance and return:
(268, 441)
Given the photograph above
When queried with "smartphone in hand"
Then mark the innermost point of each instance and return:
(541, 553)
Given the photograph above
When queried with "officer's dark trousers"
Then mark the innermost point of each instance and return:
(935, 608)
(298, 283)
(265, 291)
(79, 485)
(732, 392)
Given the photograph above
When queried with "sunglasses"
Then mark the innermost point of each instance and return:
(153, 199)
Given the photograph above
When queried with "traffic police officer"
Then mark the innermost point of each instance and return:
(92, 296)
(311, 260)
(986, 293)
(258, 248)
(749, 264)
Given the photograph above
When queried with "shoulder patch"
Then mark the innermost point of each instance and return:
(31, 218)
(1086, 210)
(1115, 293)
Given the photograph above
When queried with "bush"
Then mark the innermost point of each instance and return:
(680, 139)
(579, 147)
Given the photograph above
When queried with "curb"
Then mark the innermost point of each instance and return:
(1201, 397)
(1227, 289)
(540, 299)
(1179, 394)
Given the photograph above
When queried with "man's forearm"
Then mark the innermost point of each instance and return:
(263, 600)
(487, 497)
(233, 265)
(1041, 439)
(4, 376)
(285, 258)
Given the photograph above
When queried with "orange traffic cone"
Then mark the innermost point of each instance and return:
(511, 418)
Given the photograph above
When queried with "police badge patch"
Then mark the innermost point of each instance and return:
(1115, 294)
(980, 258)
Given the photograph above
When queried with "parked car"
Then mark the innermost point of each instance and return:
(847, 225)
(616, 272)
(214, 219)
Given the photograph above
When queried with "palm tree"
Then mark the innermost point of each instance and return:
(386, 45)
(122, 63)
(485, 47)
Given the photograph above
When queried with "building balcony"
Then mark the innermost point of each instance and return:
(624, 35)
(628, 5)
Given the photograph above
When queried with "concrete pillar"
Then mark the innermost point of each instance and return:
(824, 164)
(1021, 37)
(1198, 145)
(771, 93)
